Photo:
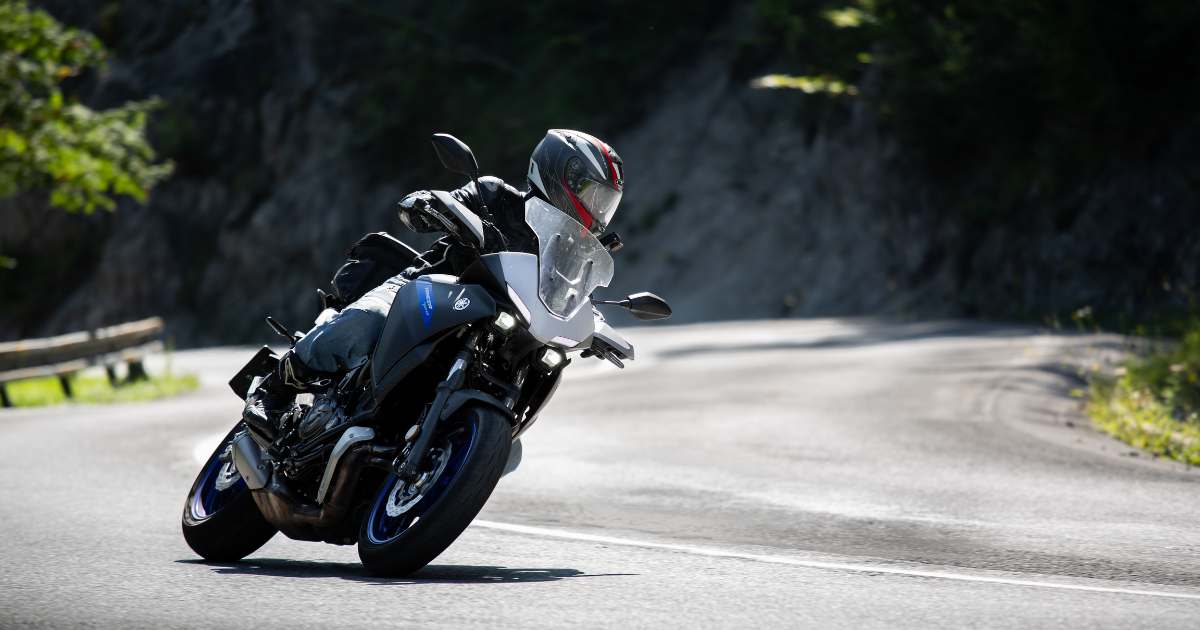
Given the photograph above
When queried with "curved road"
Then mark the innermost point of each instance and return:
(821, 473)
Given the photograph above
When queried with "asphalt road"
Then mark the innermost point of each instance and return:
(829, 474)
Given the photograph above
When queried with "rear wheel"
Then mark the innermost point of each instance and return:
(408, 525)
(221, 522)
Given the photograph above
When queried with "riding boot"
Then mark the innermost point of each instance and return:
(266, 406)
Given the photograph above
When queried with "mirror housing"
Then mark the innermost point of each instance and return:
(644, 305)
(454, 155)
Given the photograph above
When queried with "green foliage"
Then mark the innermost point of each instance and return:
(1008, 97)
(1153, 402)
(83, 157)
(94, 389)
(806, 84)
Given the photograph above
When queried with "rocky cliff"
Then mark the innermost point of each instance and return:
(741, 202)
(757, 203)
(267, 192)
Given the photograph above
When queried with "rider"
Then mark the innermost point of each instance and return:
(573, 171)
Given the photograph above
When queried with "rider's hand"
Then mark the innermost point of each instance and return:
(415, 213)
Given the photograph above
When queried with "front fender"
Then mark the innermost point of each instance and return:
(464, 396)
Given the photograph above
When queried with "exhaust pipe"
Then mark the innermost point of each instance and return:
(293, 515)
(247, 458)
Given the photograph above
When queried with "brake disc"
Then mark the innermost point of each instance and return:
(228, 475)
(407, 494)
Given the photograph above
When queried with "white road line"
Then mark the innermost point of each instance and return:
(714, 552)
(205, 447)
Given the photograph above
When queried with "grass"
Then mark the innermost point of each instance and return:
(1153, 401)
(39, 392)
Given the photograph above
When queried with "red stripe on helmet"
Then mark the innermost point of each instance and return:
(611, 168)
(584, 215)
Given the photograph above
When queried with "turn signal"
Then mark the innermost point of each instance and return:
(504, 322)
(552, 358)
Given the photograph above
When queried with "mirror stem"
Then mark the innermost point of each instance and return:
(479, 191)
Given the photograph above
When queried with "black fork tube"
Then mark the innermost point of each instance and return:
(407, 469)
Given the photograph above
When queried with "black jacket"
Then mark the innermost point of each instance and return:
(504, 225)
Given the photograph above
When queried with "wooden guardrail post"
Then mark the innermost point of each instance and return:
(137, 372)
(65, 381)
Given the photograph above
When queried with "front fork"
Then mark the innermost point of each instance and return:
(412, 458)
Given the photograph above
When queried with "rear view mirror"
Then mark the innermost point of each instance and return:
(644, 305)
(454, 155)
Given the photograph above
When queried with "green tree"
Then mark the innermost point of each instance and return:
(84, 158)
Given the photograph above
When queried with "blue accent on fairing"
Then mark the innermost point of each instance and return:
(426, 302)
(382, 528)
(407, 340)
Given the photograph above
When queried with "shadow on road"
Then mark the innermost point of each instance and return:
(432, 574)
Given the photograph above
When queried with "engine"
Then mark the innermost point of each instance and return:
(308, 433)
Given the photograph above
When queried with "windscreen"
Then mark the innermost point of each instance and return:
(571, 260)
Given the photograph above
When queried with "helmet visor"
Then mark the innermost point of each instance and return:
(600, 200)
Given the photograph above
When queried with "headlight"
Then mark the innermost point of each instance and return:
(504, 322)
(552, 358)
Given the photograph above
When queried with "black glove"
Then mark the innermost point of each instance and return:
(415, 213)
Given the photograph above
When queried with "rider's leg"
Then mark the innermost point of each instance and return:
(274, 395)
(347, 339)
(333, 347)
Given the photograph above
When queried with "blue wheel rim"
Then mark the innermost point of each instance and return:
(384, 528)
(208, 499)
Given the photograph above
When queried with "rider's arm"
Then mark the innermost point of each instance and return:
(437, 259)
(499, 198)
(469, 196)
(501, 207)
(416, 208)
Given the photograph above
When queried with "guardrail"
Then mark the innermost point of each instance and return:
(66, 354)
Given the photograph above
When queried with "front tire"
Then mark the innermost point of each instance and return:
(221, 522)
(406, 528)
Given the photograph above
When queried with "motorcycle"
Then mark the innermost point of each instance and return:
(402, 452)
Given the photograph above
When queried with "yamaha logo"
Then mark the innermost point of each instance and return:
(462, 303)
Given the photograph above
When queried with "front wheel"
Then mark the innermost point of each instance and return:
(409, 525)
(221, 522)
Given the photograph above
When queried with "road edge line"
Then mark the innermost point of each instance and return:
(714, 552)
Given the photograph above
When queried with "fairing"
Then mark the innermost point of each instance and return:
(610, 337)
(423, 311)
(518, 272)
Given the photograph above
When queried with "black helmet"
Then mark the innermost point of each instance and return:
(579, 175)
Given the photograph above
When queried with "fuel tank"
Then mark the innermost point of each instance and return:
(424, 311)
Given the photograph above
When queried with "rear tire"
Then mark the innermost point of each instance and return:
(389, 545)
(223, 525)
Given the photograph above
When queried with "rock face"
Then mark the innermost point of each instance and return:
(744, 203)
(267, 194)
(741, 203)
(738, 209)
